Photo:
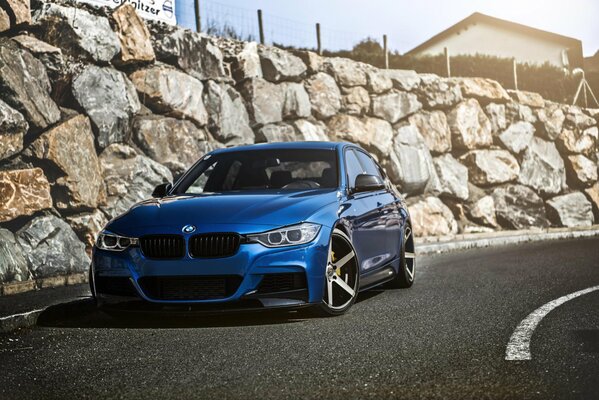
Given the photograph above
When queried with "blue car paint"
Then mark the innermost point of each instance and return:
(374, 221)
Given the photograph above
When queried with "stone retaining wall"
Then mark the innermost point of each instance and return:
(97, 107)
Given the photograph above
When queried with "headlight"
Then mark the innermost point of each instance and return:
(110, 241)
(288, 236)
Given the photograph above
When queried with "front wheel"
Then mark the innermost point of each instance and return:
(342, 277)
(90, 281)
(407, 263)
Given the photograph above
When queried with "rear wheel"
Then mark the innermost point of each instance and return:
(341, 276)
(407, 267)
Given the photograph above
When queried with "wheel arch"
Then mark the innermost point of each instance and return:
(344, 226)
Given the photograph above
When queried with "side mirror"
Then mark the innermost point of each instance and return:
(162, 190)
(367, 183)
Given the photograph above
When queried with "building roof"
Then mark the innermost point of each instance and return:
(574, 45)
(591, 64)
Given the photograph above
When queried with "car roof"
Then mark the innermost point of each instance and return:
(286, 146)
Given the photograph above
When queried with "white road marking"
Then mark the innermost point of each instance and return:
(25, 314)
(518, 348)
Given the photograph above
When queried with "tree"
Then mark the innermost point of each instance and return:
(368, 46)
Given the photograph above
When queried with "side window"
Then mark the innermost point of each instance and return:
(368, 164)
(353, 167)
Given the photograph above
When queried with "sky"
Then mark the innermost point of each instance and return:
(407, 23)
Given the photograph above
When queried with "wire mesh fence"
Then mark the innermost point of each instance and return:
(236, 22)
(334, 40)
(185, 12)
(229, 21)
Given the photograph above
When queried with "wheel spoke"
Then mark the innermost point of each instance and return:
(344, 260)
(344, 286)
(409, 256)
(341, 268)
(410, 272)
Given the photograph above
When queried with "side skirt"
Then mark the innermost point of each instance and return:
(377, 277)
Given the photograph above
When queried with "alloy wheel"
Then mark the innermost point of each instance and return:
(409, 255)
(341, 276)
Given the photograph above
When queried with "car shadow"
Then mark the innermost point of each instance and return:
(83, 313)
(363, 296)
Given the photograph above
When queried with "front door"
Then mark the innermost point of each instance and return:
(372, 214)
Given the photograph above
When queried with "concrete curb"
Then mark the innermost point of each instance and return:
(24, 310)
(22, 320)
(439, 245)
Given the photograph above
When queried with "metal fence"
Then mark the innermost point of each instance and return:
(243, 23)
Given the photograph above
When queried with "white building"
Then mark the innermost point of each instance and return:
(483, 34)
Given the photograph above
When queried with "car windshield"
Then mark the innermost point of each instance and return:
(257, 170)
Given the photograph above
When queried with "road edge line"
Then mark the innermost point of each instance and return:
(21, 320)
(518, 348)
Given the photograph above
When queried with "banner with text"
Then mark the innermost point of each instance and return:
(158, 10)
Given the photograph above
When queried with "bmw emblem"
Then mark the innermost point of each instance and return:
(189, 229)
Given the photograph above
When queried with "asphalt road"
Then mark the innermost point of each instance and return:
(444, 338)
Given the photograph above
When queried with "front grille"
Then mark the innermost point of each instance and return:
(273, 283)
(189, 287)
(114, 285)
(212, 245)
(162, 246)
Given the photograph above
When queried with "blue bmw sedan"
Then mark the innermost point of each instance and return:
(304, 224)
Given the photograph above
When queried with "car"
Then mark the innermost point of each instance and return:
(277, 225)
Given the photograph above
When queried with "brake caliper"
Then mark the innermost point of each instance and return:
(337, 270)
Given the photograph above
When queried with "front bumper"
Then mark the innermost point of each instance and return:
(251, 278)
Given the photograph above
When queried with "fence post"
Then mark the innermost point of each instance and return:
(260, 27)
(198, 19)
(386, 50)
(515, 69)
(318, 43)
(447, 62)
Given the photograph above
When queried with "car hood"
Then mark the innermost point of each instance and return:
(243, 213)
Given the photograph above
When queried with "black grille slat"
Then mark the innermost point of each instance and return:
(189, 287)
(273, 283)
(114, 285)
(162, 246)
(210, 245)
(213, 245)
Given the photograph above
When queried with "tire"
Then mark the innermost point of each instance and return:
(341, 281)
(90, 281)
(92, 289)
(407, 264)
